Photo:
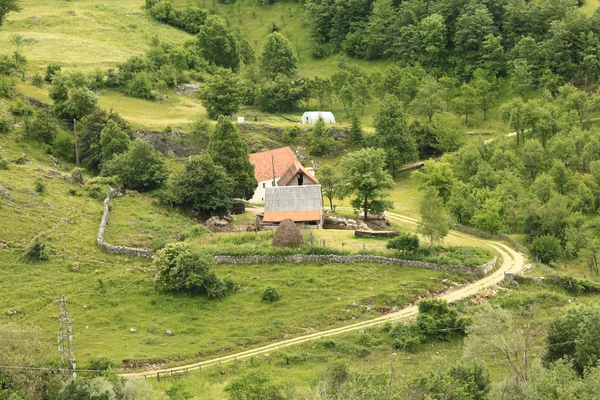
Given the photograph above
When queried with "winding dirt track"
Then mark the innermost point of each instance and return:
(512, 262)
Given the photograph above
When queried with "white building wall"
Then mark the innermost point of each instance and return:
(259, 193)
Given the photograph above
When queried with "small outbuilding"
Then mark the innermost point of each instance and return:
(302, 204)
(311, 117)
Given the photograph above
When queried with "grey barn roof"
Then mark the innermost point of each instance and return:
(293, 198)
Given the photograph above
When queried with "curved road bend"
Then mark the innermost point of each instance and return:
(512, 262)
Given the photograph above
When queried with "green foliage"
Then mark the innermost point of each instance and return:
(355, 134)
(36, 251)
(546, 248)
(190, 20)
(405, 242)
(72, 96)
(281, 95)
(217, 44)
(391, 134)
(278, 57)
(458, 382)
(113, 140)
(434, 219)
(37, 80)
(51, 70)
(3, 163)
(253, 386)
(6, 124)
(329, 180)
(178, 270)
(270, 295)
(20, 108)
(40, 186)
(7, 6)
(320, 142)
(228, 149)
(222, 95)
(140, 86)
(7, 88)
(365, 178)
(203, 186)
(572, 336)
(141, 167)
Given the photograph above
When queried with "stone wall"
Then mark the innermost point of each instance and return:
(334, 259)
(109, 248)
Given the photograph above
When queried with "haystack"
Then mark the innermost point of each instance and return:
(288, 235)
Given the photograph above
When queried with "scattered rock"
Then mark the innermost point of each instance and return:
(345, 223)
(68, 221)
(36, 17)
(5, 195)
(228, 219)
(112, 193)
(11, 313)
(31, 192)
(74, 269)
(187, 88)
(354, 304)
(169, 333)
(215, 222)
(133, 330)
(3, 245)
(54, 172)
(85, 307)
(403, 284)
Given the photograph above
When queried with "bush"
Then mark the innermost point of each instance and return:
(7, 88)
(3, 163)
(40, 186)
(37, 80)
(77, 175)
(178, 270)
(6, 124)
(63, 146)
(21, 160)
(36, 251)
(270, 295)
(42, 128)
(140, 86)
(21, 109)
(51, 70)
(406, 242)
(141, 167)
(546, 248)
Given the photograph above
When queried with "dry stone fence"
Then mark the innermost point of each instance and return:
(129, 251)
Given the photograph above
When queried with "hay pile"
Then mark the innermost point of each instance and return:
(288, 235)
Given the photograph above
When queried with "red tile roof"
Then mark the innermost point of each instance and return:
(263, 162)
(294, 170)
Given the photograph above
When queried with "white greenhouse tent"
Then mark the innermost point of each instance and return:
(311, 117)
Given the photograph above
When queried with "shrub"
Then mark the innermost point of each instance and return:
(546, 248)
(37, 80)
(270, 295)
(63, 146)
(51, 70)
(72, 192)
(36, 251)
(95, 192)
(3, 163)
(40, 186)
(406, 337)
(140, 86)
(21, 160)
(141, 167)
(21, 109)
(6, 124)
(406, 242)
(7, 88)
(77, 175)
(178, 270)
(42, 128)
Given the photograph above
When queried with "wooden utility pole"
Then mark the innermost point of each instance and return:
(76, 146)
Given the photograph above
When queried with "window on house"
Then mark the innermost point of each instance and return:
(264, 185)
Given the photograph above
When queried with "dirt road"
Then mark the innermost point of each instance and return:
(512, 261)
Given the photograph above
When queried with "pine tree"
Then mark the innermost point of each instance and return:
(227, 148)
(355, 135)
(278, 57)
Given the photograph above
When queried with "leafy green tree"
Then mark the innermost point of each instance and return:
(229, 150)
(278, 57)
(203, 186)
(392, 135)
(466, 101)
(513, 113)
(434, 218)
(437, 175)
(281, 94)
(222, 95)
(449, 134)
(141, 167)
(43, 127)
(140, 86)
(179, 270)
(490, 217)
(63, 146)
(218, 45)
(449, 89)
(320, 142)
(573, 336)
(486, 94)
(355, 134)
(521, 77)
(428, 100)
(365, 178)
(113, 140)
(321, 89)
(329, 180)
(432, 34)
(377, 38)
(546, 248)
(533, 157)
(573, 99)
(7, 6)
(472, 27)
(72, 99)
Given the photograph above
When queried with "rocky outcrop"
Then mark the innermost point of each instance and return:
(109, 248)
(189, 89)
(164, 143)
(335, 259)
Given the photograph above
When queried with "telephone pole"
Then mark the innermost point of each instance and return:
(65, 337)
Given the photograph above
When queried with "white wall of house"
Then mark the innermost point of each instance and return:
(306, 181)
(259, 193)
